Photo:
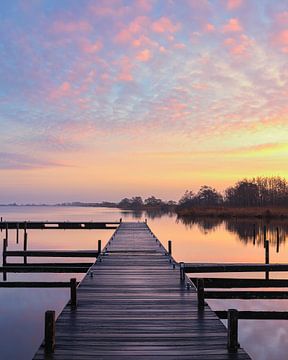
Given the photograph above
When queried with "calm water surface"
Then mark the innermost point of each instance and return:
(208, 240)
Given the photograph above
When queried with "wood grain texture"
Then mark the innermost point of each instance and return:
(135, 307)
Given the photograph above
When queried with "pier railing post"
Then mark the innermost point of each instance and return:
(99, 247)
(170, 247)
(49, 331)
(6, 232)
(200, 294)
(182, 271)
(73, 293)
(267, 258)
(232, 322)
(4, 251)
(17, 233)
(278, 239)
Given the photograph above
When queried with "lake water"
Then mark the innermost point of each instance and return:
(208, 240)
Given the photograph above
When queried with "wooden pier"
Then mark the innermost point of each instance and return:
(132, 304)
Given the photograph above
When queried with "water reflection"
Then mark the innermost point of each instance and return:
(248, 231)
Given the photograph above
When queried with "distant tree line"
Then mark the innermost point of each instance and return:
(255, 192)
(137, 203)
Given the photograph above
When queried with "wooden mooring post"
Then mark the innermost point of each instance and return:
(267, 258)
(232, 323)
(278, 240)
(25, 244)
(1, 222)
(99, 247)
(7, 232)
(73, 293)
(265, 234)
(17, 233)
(254, 234)
(49, 341)
(4, 251)
(200, 294)
(170, 247)
(182, 271)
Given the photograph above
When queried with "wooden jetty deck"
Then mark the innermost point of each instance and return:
(135, 307)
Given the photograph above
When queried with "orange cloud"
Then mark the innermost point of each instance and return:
(281, 40)
(234, 4)
(164, 24)
(144, 55)
(71, 26)
(209, 27)
(233, 25)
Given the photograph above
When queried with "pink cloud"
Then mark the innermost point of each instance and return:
(71, 26)
(138, 25)
(239, 46)
(63, 90)
(233, 25)
(282, 18)
(125, 73)
(164, 24)
(91, 48)
(234, 4)
(280, 39)
(144, 55)
(209, 27)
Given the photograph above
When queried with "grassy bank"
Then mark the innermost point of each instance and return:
(227, 212)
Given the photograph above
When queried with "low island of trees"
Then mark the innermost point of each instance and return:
(257, 197)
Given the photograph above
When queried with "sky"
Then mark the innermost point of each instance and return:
(105, 99)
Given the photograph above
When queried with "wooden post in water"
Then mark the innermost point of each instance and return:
(267, 258)
(278, 240)
(1, 222)
(99, 247)
(232, 323)
(254, 234)
(170, 247)
(200, 294)
(25, 245)
(17, 233)
(6, 232)
(265, 234)
(182, 271)
(4, 251)
(73, 293)
(49, 331)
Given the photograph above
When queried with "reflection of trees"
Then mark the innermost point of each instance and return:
(248, 231)
(245, 231)
(134, 214)
(205, 224)
(156, 214)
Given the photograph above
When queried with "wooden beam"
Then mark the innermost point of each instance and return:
(256, 315)
(39, 269)
(54, 253)
(82, 225)
(241, 283)
(210, 268)
(35, 284)
(246, 294)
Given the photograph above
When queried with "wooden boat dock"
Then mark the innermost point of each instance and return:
(132, 304)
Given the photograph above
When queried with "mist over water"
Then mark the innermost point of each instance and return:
(193, 240)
